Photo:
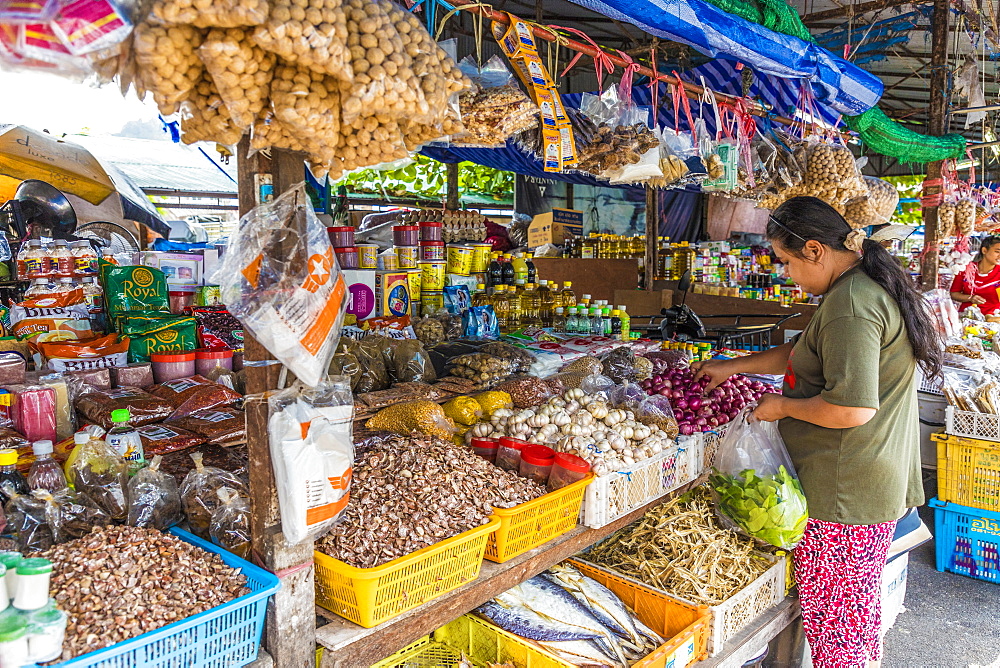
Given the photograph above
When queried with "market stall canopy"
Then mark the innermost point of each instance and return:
(836, 83)
(29, 154)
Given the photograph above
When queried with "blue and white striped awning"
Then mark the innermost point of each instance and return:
(836, 83)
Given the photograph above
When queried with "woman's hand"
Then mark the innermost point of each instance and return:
(770, 407)
(718, 372)
(976, 299)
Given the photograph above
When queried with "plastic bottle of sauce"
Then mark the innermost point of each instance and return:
(63, 262)
(532, 270)
(10, 476)
(520, 268)
(494, 275)
(596, 321)
(36, 260)
(45, 472)
(606, 320)
(508, 270)
(125, 440)
(559, 320)
(616, 324)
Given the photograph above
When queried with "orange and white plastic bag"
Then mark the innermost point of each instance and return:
(312, 454)
(280, 278)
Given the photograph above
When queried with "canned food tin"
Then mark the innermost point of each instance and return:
(432, 302)
(481, 257)
(367, 256)
(459, 260)
(388, 261)
(432, 250)
(407, 256)
(432, 274)
(415, 278)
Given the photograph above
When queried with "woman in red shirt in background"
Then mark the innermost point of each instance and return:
(980, 282)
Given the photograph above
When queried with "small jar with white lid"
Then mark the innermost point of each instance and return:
(46, 631)
(10, 560)
(13, 641)
(32, 583)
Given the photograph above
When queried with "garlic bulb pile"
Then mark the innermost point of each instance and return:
(581, 424)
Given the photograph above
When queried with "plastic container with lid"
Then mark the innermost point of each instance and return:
(432, 250)
(4, 595)
(181, 298)
(341, 236)
(207, 360)
(509, 453)
(13, 641)
(567, 469)
(405, 235)
(459, 259)
(46, 632)
(367, 256)
(173, 365)
(486, 448)
(347, 257)
(407, 256)
(536, 463)
(10, 559)
(32, 583)
(430, 231)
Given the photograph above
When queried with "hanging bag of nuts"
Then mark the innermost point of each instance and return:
(211, 13)
(241, 72)
(167, 62)
(310, 33)
(230, 525)
(100, 476)
(153, 498)
(200, 493)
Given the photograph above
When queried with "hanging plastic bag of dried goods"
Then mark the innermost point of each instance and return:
(312, 454)
(200, 493)
(70, 515)
(153, 498)
(28, 521)
(214, 14)
(496, 107)
(280, 279)
(755, 483)
(230, 526)
(100, 475)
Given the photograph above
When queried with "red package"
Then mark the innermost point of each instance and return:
(159, 439)
(144, 408)
(197, 393)
(34, 412)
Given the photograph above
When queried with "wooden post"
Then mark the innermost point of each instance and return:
(938, 113)
(452, 197)
(652, 236)
(290, 631)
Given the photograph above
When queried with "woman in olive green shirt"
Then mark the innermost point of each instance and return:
(848, 416)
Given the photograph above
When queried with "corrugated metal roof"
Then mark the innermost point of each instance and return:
(162, 164)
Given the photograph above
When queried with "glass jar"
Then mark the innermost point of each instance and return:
(172, 365)
(432, 250)
(207, 360)
(406, 235)
(509, 453)
(431, 231)
(341, 236)
(486, 448)
(347, 257)
(567, 469)
(536, 463)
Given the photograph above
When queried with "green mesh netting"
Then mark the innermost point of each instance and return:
(877, 131)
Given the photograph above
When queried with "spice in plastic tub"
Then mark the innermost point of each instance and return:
(567, 469)
(207, 359)
(407, 257)
(432, 250)
(173, 365)
(347, 257)
(341, 236)
(46, 632)
(405, 235)
(459, 259)
(486, 448)
(536, 463)
(509, 453)
(32, 584)
(367, 256)
(13, 641)
(431, 231)
(181, 298)
(10, 559)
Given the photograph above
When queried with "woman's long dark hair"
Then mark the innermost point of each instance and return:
(985, 245)
(802, 219)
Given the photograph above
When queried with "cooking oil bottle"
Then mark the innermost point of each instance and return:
(683, 260)
(567, 296)
(514, 294)
(665, 260)
(559, 320)
(530, 307)
(481, 298)
(547, 303)
(501, 306)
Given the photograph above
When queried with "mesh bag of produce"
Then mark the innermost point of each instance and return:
(168, 63)
(241, 72)
(311, 33)
(211, 13)
(755, 483)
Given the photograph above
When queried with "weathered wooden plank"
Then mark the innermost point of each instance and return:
(350, 646)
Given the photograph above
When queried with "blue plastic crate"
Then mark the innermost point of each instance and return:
(223, 637)
(967, 540)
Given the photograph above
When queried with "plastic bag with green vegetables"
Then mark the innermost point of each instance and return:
(755, 484)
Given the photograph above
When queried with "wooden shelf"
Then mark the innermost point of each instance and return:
(351, 646)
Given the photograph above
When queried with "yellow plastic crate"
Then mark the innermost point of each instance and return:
(538, 521)
(370, 596)
(968, 471)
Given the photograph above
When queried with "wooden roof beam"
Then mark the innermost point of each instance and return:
(854, 10)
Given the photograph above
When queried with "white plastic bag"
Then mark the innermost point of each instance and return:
(279, 277)
(755, 483)
(312, 453)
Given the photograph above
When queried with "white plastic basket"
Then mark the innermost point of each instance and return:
(611, 496)
(710, 446)
(743, 607)
(930, 385)
(985, 426)
(690, 458)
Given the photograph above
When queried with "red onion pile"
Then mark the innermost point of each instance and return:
(697, 411)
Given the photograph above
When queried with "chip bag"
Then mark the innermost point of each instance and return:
(280, 279)
(156, 333)
(755, 484)
(101, 353)
(133, 288)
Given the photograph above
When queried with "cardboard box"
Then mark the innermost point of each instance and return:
(555, 227)
(179, 268)
(392, 293)
(361, 292)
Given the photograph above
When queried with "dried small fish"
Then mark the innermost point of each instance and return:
(679, 547)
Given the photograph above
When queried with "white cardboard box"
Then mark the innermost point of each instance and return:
(361, 292)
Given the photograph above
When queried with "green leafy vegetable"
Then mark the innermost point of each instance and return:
(771, 508)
